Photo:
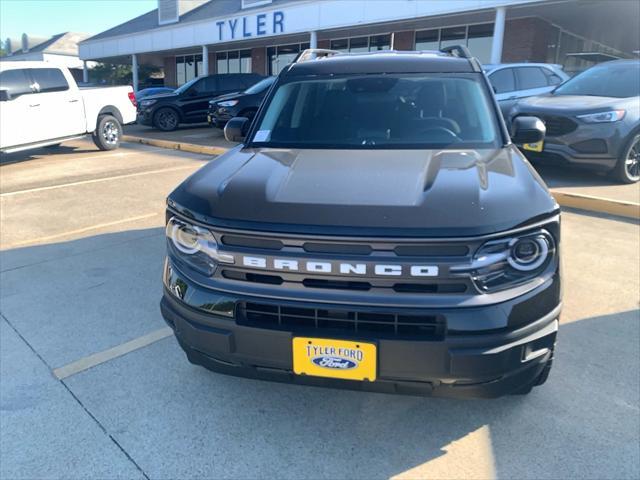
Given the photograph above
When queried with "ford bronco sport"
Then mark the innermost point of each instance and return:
(376, 229)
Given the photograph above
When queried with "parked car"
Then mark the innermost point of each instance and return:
(243, 104)
(146, 92)
(190, 102)
(592, 121)
(376, 229)
(41, 105)
(512, 81)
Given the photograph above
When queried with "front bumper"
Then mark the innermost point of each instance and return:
(219, 119)
(592, 146)
(145, 117)
(472, 364)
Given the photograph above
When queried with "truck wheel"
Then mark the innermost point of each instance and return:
(166, 119)
(628, 167)
(108, 133)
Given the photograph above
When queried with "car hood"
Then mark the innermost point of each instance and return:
(160, 96)
(228, 96)
(566, 103)
(421, 192)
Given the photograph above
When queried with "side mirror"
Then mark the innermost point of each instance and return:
(527, 130)
(5, 96)
(236, 129)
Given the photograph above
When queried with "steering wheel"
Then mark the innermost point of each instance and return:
(442, 130)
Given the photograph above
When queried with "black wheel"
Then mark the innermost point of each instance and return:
(628, 167)
(108, 133)
(166, 119)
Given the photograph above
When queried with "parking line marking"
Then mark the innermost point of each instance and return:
(111, 353)
(97, 180)
(80, 230)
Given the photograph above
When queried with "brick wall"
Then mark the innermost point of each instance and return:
(526, 39)
(258, 60)
(403, 40)
(170, 72)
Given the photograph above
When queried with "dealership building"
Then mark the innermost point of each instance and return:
(189, 38)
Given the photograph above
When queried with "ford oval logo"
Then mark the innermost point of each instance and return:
(326, 361)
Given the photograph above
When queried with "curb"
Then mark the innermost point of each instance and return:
(589, 203)
(185, 147)
(565, 199)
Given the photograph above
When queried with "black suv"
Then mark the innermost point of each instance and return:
(189, 103)
(375, 230)
(243, 104)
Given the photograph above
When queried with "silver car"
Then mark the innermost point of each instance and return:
(512, 81)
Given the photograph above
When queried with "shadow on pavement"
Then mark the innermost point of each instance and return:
(9, 158)
(179, 420)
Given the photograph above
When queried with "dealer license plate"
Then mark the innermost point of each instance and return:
(344, 359)
(534, 147)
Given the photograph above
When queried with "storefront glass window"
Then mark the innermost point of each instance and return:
(282, 55)
(342, 45)
(235, 61)
(453, 36)
(359, 44)
(379, 42)
(477, 37)
(479, 40)
(428, 40)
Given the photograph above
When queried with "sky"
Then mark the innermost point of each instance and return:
(42, 18)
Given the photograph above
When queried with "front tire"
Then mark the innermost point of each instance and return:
(166, 119)
(628, 167)
(108, 133)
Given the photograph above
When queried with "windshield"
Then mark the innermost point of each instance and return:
(380, 111)
(620, 80)
(260, 86)
(186, 86)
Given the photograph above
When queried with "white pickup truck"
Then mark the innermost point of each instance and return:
(41, 105)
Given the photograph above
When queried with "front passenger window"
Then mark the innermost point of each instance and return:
(503, 81)
(15, 82)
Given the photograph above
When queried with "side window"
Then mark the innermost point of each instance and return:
(530, 77)
(503, 81)
(199, 87)
(229, 83)
(552, 78)
(210, 84)
(15, 82)
(49, 80)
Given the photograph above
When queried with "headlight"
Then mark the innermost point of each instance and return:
(147, 103)
(228, 103)
(195, 246)
(509, 262)
(603, 117)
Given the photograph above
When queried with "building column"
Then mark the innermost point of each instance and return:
(205, 61)
(313, 39)
(498, 35)
(134, 71)
(85, 72)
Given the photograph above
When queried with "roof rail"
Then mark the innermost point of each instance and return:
(314, 54)
(460, 51)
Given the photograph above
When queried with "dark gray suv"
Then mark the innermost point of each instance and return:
(593, 121)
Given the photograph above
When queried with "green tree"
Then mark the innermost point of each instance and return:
(117, 74)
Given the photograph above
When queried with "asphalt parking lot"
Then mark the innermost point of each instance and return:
(82, 245)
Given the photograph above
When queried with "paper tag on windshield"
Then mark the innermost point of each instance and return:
(262, 135)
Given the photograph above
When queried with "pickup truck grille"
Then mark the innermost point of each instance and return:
(341, 321)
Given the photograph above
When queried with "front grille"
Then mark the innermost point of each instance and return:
(556, 125)
(354, 253)
(327, 321)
